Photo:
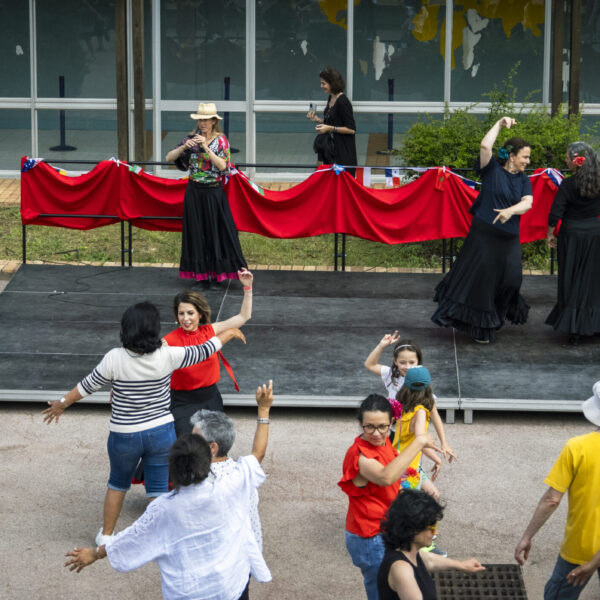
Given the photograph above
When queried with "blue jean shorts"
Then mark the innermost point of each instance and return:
(151, 446)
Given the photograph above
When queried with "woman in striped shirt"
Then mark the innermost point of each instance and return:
(141, 424)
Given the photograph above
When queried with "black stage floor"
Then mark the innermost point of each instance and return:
(310, 332)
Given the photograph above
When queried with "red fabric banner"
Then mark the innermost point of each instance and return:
(435, 206)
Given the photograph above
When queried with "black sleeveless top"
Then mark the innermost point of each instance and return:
(424, 579)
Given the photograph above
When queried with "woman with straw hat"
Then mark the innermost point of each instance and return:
(210, 248)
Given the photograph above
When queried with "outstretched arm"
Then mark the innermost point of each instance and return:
(246, 311)
(57, 407)
(546, 506)
(435, 562)
(489, 139)
(264, 400)
(372, 361)
(83, 557)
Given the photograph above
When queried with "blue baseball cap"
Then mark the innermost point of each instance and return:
(417, 378)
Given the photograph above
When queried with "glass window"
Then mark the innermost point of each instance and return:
(488, 40)
(88, 135)
(285, 138)
(203, 43)
(373, 138)
(401, 41)
(15, 137)
(295, 40)
(76, 41)
(176, 125)
(590, 52)
(14, 49)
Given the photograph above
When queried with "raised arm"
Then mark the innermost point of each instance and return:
(372, 470)
(264, 401)
(489, 139)
(546, 506)
(246, 311)
(372, 361)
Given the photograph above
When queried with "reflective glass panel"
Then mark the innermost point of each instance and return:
(488, 39)
(400, 41)
(285, 138)
(203, 43)
(590, 52)
(15, 137)
(14, 49)
(176, 125)
(295, 41)
(76, 41)
(88, 135)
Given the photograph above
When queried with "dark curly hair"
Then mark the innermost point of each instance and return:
(587, 176)
(197, 300)
(189, 460)
(409, 346)
(374, 403)
(334, 79)
(140, 328)
(410, 513)
(514, 145)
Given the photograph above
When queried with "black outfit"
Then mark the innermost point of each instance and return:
(344, 145)
(481, 290)
(424, 579)
(210, 247)
(185, 403)
(577, 310)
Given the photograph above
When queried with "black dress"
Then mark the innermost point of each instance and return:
(482, 289)
(210, 247)
(341, 115)
(577, 309)
(422, 576)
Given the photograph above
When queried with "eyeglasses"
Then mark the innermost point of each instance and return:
(432, 528)
(383, 429)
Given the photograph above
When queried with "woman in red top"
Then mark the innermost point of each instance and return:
(195, 388)
(371, 478)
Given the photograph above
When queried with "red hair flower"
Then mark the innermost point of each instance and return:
(579, 160)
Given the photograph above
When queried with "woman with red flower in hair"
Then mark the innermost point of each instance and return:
(577, 203)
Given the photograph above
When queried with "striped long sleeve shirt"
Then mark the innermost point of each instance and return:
(140, 383)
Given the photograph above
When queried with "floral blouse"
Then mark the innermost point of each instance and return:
(199, 164)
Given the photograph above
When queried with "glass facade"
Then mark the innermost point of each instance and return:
(259, 61)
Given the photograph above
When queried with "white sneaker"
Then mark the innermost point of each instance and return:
(101, 539)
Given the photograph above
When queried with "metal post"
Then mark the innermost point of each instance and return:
(24, 243)
(122, 243)
(343, 251)
(63, 146)
(444, 255)
(335, 252)
(130, 243)
(551, 261)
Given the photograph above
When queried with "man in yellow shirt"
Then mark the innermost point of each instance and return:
(577, 472)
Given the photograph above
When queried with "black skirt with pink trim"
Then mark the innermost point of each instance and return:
(482, 289)
(210, 246)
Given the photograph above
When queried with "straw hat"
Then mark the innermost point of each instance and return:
(206, 111)
(591, 407)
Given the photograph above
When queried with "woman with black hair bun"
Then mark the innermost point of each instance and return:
(141, 424)
(409, 526)
(482, 289)
(577, 203)
(335, 141)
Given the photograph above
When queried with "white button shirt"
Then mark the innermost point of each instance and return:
(199, 537)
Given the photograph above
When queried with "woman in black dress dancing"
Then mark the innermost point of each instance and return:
(482, 289)
(337, 122)
(210, 247)
(577, 203)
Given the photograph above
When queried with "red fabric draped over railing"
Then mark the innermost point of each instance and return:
(435, 206)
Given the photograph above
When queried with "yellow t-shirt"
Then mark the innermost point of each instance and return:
(407, 436)
(577, 471)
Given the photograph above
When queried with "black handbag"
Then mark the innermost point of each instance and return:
(325, 147)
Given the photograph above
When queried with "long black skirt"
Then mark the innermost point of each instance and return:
(210, 247)
(185, 403)
(577, 309)
(482, 289)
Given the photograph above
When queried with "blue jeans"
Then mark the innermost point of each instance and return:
(557, 587)
(367, 554)
(152, 446)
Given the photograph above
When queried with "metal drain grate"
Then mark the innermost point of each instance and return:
(497, 581)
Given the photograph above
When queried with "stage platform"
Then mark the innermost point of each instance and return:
(310, 332)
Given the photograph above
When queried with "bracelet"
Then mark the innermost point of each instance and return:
(247, 288)
(63, 402)
(334, 129)
(263, 421)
